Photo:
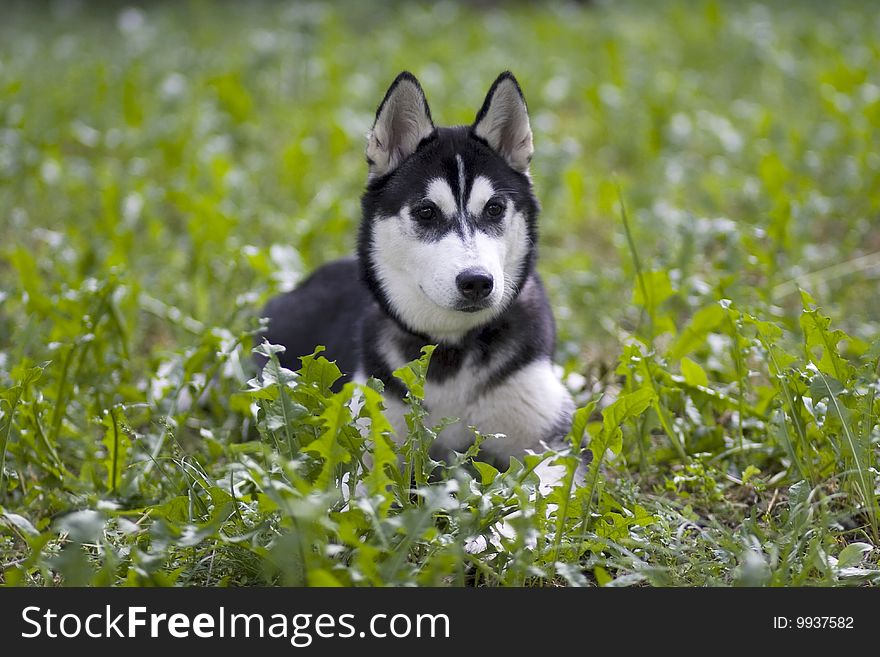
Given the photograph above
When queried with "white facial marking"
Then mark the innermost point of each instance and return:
(489, 254)
(442, 261)
(418, 276)
(481, 191)
(440, 193)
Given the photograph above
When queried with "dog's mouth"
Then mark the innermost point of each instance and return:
(461, 306)
(472, 308)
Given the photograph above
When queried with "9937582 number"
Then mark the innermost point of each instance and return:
(824, 622)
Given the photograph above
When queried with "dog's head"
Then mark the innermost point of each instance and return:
(449, 218)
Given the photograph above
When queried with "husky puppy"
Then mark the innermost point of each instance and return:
(446, 256)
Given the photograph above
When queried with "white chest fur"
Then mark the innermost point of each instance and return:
(525, 406)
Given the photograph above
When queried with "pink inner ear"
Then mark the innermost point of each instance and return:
(404, 120)
(505, 125)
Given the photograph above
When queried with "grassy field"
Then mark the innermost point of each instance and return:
(710, 238)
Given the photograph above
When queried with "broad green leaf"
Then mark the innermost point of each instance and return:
(704, 321)
(693, 374)
(820, 338)
(323, 578)
(413, 374)
(175, 510)
(384, 458)
(82, 526)
(601, 575)
(571, 573)
(798, 504)
(625, 407)
(822, 386)
(487, 472)
(853, 554)
(317, 370)
(862, 475)
(657, 289)
(579, 422)
(336, 416)
(19, 522)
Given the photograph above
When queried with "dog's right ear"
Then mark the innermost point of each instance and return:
(402, 121)
(503, 122)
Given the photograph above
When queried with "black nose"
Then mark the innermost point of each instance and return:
(474, 284)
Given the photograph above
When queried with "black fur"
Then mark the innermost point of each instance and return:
(325, 309)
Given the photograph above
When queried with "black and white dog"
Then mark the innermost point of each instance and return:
(446, 256)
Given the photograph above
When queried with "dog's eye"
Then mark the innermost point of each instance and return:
(494, 209)
(426, 213)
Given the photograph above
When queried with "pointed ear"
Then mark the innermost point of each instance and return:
(503, 122)
(402, 121)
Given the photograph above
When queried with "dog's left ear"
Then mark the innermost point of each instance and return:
(503, 122)
(402, 121)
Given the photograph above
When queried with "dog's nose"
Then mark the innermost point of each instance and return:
(474, 284)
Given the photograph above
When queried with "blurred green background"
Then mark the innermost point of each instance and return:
(210, 150)
(166, 167)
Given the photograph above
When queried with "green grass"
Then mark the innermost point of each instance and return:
(710, 238)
